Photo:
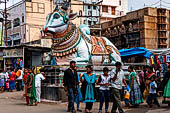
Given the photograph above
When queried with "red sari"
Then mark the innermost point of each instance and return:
(24, 79)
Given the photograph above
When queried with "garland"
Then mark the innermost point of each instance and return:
(68, 48)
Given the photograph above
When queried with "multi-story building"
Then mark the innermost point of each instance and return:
(148, 27)
(113, 8)
(27, 18)
(103, 10)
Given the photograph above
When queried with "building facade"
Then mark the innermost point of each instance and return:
(27, 18)
(103, 11)
(148, 27)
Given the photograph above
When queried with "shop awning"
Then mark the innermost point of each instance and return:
(160, 51)
(134, 52)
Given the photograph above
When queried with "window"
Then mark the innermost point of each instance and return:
(16, 22)
(105, 9)
(17, 42)
(120, 2)
(88, 6)
(94, 7)
(94, 22)
(89, 22)
(121, 13)
(22, 19)
(58, 1)
(29, 0)
(89, 13)
(113, 10)
(9, 25)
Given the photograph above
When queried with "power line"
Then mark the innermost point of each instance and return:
(165, 2)
(166, 6)
(154, 3)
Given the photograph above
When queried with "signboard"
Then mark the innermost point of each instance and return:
(13, 53)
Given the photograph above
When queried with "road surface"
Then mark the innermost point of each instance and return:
(13, 102)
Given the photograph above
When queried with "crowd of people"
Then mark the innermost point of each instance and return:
(28, 80)
(147, 85)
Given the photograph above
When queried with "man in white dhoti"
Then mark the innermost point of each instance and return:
(38, 78)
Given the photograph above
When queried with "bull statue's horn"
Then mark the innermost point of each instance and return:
(65, 6)
(56, 8)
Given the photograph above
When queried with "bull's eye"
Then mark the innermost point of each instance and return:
(56, 16)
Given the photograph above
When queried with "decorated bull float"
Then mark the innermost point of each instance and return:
(75, 43)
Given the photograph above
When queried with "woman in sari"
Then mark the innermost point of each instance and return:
(88, 88)
(31, 91)
(166, 86)
(25, 85)
(135, 93)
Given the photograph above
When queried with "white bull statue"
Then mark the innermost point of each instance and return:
(75, 43)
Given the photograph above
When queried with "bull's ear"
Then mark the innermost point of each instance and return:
(72, 16)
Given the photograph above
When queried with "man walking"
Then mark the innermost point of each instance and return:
(38, 78)
(117, 79)
(20, 75)
(70, 85)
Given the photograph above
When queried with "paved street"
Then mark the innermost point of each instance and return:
(13, 102)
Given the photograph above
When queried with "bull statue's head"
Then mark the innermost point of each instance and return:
(58, 20)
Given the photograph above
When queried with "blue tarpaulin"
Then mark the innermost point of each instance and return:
(134, 52)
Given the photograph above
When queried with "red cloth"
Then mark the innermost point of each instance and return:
(149, 75)
(7, 85)
(25, 77)
(13, 76)
(27, 100)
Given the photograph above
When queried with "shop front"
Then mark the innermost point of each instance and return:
(23, 56)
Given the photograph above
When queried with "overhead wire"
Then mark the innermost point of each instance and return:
(154, 3)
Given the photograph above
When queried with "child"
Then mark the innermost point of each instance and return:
(127, 96)
(153, 93)
(104, 82)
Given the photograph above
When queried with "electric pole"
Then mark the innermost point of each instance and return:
(5, 14)
(5, 21)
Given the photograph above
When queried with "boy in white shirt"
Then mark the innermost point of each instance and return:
(38, 78)
(104, 82)
(153, 93)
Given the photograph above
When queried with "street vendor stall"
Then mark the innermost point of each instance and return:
(160, 58)
(22, 56)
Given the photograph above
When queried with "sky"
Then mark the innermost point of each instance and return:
(132, 4)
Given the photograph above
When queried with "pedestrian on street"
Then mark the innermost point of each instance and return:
(12, 80)
(70, 85)
(20, 75)
(26, 73)
(117, 80)
(38, 78)
(135, 93)
(166, 86)
(88, 80)
(31, 91)
(142, 76)
(104, 82)
(152, 92)
(2, 82)
(6, 87)
(147, 83)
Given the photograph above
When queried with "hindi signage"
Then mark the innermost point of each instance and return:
(13, 53)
